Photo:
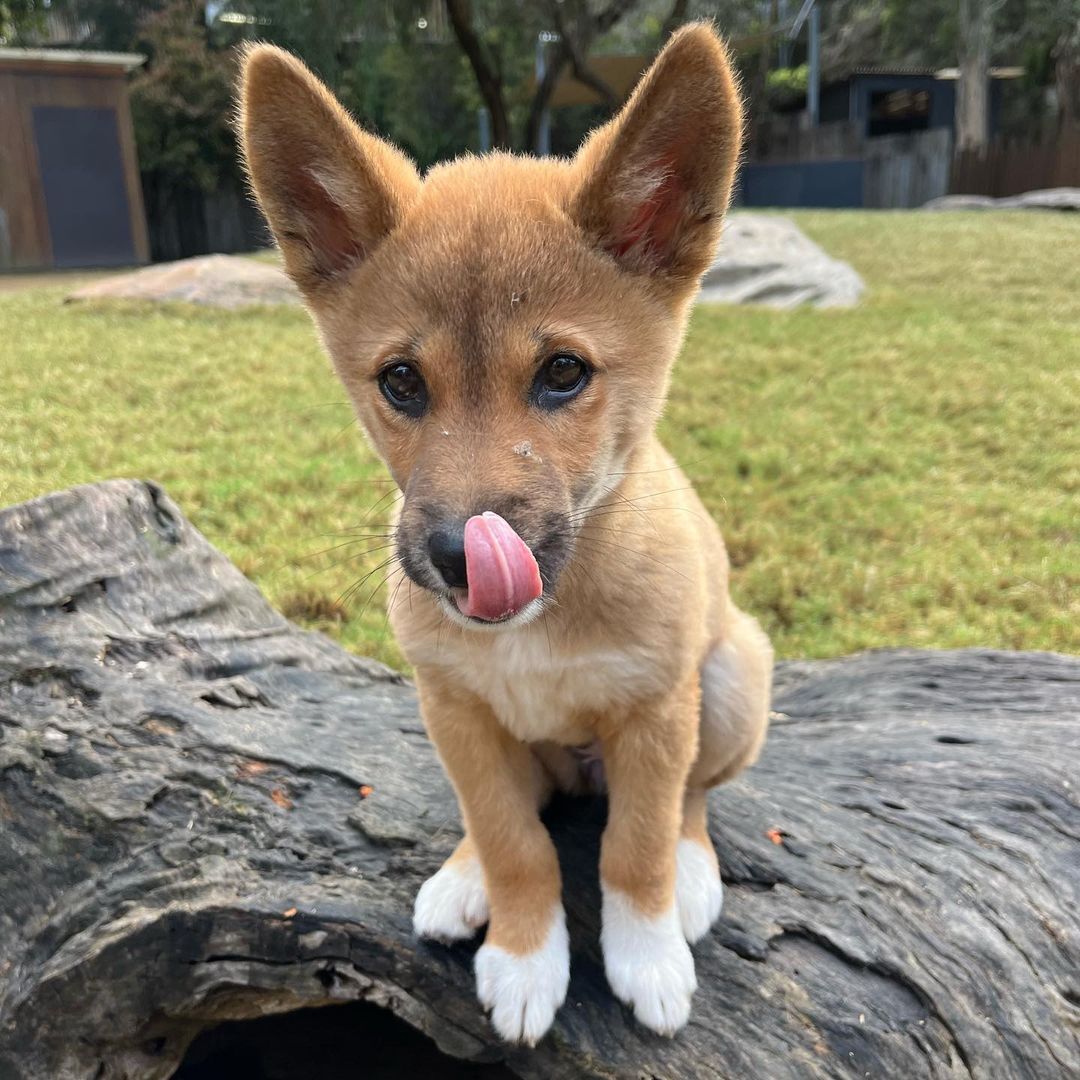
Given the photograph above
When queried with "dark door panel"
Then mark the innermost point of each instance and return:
(82, 174)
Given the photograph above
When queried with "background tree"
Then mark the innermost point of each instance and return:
(181, 101)
(1066, 56)
(499, 40)
(487, 67)
(418, 71)
(975, 39)
(20, 19)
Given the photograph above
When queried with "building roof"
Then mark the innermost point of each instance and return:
(900, 71)
(622, 72)
(70, 58)
(995, 73)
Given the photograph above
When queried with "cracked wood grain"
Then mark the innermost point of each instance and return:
(184, 839)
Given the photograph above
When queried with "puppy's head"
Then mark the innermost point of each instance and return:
(506, 326)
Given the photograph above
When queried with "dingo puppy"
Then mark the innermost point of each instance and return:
(506, 328)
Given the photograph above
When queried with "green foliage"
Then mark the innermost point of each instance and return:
(20, 19)
(786, 86)
(113, 25)
(319, 31)
(919, 32)
(904, 473)
(396, 78)
(792, 80)
(181, 103)
(412, 84)
(418, 93)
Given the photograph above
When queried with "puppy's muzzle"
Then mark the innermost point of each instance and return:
(489, 571)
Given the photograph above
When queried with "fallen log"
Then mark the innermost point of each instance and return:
(209, 815)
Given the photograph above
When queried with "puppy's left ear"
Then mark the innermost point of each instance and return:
(655, 181)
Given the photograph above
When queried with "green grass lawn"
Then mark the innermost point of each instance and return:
(907, 473)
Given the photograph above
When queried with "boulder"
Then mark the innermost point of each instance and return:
(961, 202)
(210, 816)
(762, 260)
(226, 281)
(1062, 198)
(767, 259)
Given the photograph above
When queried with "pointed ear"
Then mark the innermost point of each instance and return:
(655, 181)
(330, 191)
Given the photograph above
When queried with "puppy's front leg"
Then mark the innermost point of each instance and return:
(647, 757)
(523, 967)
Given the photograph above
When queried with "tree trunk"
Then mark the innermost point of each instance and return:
(576, 37)
(211, 815)
(556, 65)
(487, 77)
(976, 27)
(1067, 74)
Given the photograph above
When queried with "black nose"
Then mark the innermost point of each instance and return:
(446, 547)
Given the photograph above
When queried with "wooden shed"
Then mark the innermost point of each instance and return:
(69, 176)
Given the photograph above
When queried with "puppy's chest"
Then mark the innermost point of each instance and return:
(541, 694)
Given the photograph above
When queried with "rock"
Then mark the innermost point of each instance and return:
(763, 260)
(961, 202)
(226, 281)
(185, 841)
(766, 259)
(1062, 198)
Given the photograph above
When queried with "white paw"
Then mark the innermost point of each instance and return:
(452, 904)
(648, 963)
(699, 894)
(523, 993)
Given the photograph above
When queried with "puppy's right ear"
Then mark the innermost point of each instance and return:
(330, 191)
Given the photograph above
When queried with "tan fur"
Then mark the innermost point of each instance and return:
(521, 870)
(477, 272)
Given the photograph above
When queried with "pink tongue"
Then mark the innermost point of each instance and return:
(502, 573)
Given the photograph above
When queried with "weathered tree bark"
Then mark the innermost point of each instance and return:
(207, 813)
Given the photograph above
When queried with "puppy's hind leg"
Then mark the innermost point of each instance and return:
(699, 893)
(736, 682)
(736, 679)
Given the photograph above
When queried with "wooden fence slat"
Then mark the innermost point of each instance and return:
(911, 169)
(902, 171)
(1013, 166)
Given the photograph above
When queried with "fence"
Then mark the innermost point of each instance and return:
(831, 184)
(1013, 166)
(906, 170)
(187, 221)
(788, 138)
(833, 165)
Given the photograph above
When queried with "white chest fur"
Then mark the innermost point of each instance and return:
(540, 690)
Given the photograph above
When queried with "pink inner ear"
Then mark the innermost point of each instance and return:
(327, 229)
(652, 228)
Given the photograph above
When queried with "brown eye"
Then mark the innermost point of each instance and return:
(403, 386)
(561, 378)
